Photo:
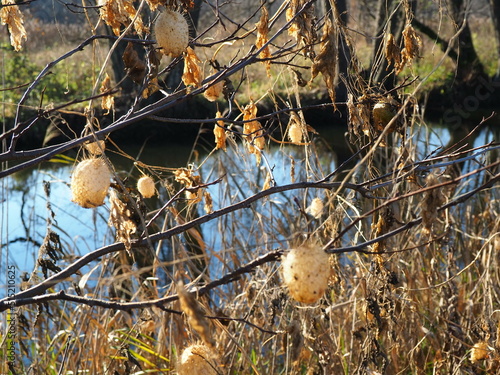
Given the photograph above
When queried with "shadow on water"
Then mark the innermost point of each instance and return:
(82, 230)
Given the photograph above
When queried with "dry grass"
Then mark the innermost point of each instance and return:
(417, 300)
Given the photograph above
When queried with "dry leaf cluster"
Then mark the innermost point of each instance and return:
(11, 16)
(253, 131)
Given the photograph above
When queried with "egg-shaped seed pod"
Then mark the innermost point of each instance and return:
(306, 270)
(146, 186)
(196, 359)
(172, 33)
(90, 182)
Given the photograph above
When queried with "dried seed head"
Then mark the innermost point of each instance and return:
(305, 272)
(172, 33)
(197, 359)
(90, 183)
(146, 186)
(295, 133)
(96, 148)
(315, 208)
(479, 351)
(382, 114)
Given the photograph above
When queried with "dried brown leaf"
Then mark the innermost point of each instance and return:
(136, 68)
(302, 26)
(326, 61)
(220, 133)
(120, 218)
(11, 16)
(193, 75)
(253, 131)
(118, 13)
(412, 45)
(262, 38)
(392, 53)
(108, 101)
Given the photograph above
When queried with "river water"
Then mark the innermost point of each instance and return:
(25, 214)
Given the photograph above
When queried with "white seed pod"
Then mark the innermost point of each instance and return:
(196, 359)
(90, 183)
(146, 186)
(172, 33)
(315, 209)
(295, 133)
(306, 270)
(214, 91)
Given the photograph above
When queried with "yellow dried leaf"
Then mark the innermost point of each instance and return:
(253, 131)
(262, 38)
(220, 133)
(267, 182)
(185, 177)
(326, 61)
(193, 74)
(11, 16)
(108, 101)
(153, 86)
(213, 92)
(118, 13)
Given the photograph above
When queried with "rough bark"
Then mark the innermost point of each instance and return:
(469, 67)
(495, 15)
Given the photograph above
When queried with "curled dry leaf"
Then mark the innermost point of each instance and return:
(193, 74)
(212, 93)
(253, 131)
(120, 218)
(108, 101)
(220, 133)
(136, 68)
(302, 25)
(185, 177)
(11, 16)
(412, 45)
(262, 38)
(118, 13)
(359, 116)
(326, 61)
(392, 53)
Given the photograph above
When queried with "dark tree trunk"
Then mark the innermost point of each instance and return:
(388, 20)
(469, 67)
(495, 15)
